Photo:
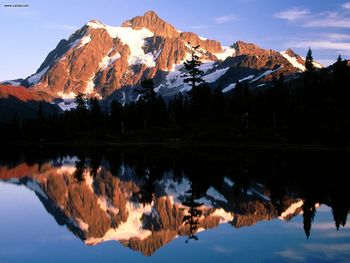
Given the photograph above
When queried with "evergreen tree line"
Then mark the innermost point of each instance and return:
(313, 108)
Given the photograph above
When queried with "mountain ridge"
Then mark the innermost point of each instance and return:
(108, 62)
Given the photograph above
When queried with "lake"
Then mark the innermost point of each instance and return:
(179, 204)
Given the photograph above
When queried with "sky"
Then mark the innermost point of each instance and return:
(30, 32)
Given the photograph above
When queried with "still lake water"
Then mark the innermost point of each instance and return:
(171, 205)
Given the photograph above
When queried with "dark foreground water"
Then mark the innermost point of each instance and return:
(173, 205)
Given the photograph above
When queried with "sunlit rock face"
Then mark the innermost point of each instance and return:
(140, 213)
(107, 62)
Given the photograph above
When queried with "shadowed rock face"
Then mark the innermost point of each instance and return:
(105, 61)
(98, 206)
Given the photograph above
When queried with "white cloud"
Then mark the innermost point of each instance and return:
(328, 19)
(328, 250)
(323, 252)
(60, 27)
(346, 5)
(293, 14)
(321, 45)
(291, 255)
(198, 27)
(223, 250)
(224, 19)
(338, 37)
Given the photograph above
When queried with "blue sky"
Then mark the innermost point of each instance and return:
(29, 33)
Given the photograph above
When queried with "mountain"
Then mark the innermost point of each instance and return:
(98, 206)
(20, 102)
(108, 62)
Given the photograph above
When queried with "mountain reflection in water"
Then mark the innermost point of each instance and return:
(146, 198)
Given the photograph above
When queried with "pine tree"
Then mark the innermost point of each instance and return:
(177, 109)
(40, 114)
(95, 107)
(80, 101)
(95, 115)
(193, 74)
(309, 62)
(341, 75)
(309, 80)
(309, 212)
(340, 59)
(191, 219)
(116, 116)
(147, 92)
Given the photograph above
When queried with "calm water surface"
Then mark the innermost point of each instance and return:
(188, 205)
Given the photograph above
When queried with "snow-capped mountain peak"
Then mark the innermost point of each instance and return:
(107, 61)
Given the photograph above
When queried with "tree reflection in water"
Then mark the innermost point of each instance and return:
(145, 197)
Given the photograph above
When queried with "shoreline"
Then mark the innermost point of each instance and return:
(181, 144)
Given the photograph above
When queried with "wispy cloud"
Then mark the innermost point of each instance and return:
(326, 252)
(225, 19)
(346, 5)
(338, 37)
(198, 27)
(328, 19)
(321, 45)
(293, 14)
(290, 254)
(60, 27)
(303, 17)
(328, 249)
(223, 250)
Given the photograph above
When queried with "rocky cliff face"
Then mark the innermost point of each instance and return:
(98, 206)
(105, 61)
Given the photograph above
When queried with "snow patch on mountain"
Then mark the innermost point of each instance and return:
(266, 198)
(135, 39)
(317, 65)
(212, 77)
(12, 82)
(266, 73)
(205, 66)
(34, 186)
(81, 224)
(106, 206)
(70, 95)
(224, 216)
(84, 41)
(67, 105)
(215, 194)
(131, 228)
(229, 87)
(176, 189)
(291, 209)
(34, 79)
(175, 78)
(233, 85)
(90, 85)
(157, 54)
(108, 60)
(228, 181)
(293, 61)
(227, 52)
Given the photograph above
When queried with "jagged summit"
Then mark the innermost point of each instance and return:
(290, 52)
(108, 62)
(154, 23)
(245, 48)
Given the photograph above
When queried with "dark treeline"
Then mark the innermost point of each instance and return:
(314, 177)
(312, 108)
